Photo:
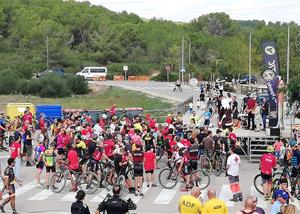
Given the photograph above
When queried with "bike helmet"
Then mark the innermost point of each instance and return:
(270, 149)
(104, 116)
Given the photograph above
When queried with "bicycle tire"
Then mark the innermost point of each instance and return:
(89, 182)
(56, 178)
(110, 179)
(219, 166)
(169, 176)
(258, 184)
(205, 165)
(121, 182)
(201, 181)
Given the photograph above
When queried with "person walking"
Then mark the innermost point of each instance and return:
(9, 185)
(190, 204)
(233, 168)
(15, 152)
(79, 207)
(214, 205)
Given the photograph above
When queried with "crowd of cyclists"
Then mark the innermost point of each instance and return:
(122, 144)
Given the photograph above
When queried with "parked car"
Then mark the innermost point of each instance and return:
(93, 73)
(245, 79)
(58, 71)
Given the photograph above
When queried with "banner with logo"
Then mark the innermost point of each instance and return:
(271, 72)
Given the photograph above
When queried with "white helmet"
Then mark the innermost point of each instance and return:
(104, 116)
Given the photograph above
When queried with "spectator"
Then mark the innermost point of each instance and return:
(288, 209)
(282, 196)
(28, 144)
(79, 207)
(257, 209)
(248, 207)
(264, 112)
(150, 165)
(190, 107)
(190, 204)
(284, 187)
(251, 105)
(214, 205)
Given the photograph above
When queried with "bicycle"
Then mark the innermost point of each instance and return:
(258, 182)
(215, 162)
(87, 181)
(112, 178)
(168, 177)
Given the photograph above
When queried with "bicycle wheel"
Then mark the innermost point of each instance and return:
(110, 179)
(89, 182)
(205, 165)
(58, 181)
(200, 179)
(121, 181)
(167, 178)
(258, 184)
(219, 166)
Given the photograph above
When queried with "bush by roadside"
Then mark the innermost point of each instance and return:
(50, 85)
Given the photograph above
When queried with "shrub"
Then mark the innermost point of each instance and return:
(77, 84)
(8, 82)
(162, 76)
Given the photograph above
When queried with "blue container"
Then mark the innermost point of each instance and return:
(51, 112)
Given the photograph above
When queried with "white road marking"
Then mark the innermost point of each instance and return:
(100, 197)
(136, 199)
(42, 195)
(69, 197)
(261, 202)
(4, 156)
(226, 195)
(166, 195)
(296, 203)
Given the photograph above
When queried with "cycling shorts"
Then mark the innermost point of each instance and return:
(186, 169)
(138, 170)
(193, 164)
(266, 178)
(50, 168)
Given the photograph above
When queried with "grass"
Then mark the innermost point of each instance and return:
(101, 99)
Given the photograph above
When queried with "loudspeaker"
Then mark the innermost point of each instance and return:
(272, 121)
(273, 131)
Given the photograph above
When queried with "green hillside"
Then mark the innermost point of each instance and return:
(84, 35)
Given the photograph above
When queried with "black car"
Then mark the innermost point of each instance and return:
(245, 79)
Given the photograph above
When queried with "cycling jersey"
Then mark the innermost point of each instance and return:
(108, 147)
(186, 143)
(97, 155)
(215, 206)
(73, 159)
(194, 152)
(137, 157)
(149, 158)
(49, 158)
(267, 163)
(189, 205)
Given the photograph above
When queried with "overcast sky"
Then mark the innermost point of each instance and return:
(186, 10)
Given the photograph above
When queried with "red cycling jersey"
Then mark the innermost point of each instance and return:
(108, 147)
(267, 163)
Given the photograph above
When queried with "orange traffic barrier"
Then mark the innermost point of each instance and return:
(118, 77)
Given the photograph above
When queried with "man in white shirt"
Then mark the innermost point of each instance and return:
(233, 170)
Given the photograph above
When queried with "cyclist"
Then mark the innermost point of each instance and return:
(295, 163)
(137, 158)
(79, 207)
(114, 205)
(9, 184)
(73, 163)
(182, 157)
(49, 160)
(149, 165)
(267, 164)
(121, 163)
(38, 159)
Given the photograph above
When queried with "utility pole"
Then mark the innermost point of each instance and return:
(250, 38)
(288, 58)
(182, 59)
(47, 45)
(189, 57)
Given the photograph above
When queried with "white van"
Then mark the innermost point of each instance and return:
(93, 73)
